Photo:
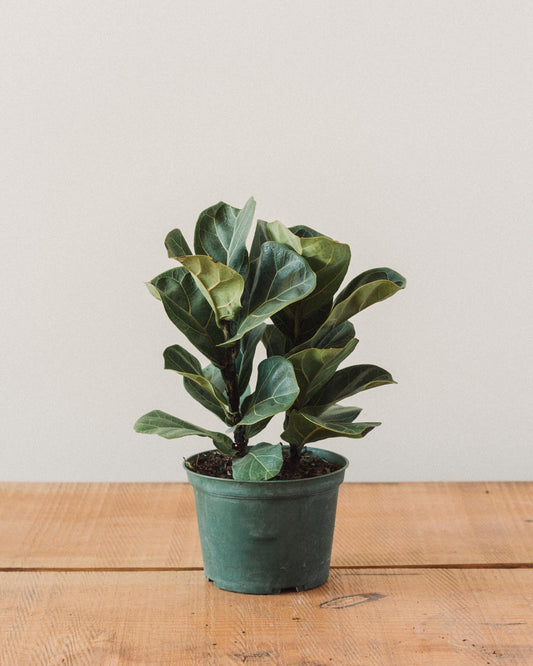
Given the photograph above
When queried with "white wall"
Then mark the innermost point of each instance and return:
(403, 128)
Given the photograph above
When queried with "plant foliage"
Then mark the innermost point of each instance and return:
(283, 292)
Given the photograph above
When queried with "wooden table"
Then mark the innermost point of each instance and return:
(422, 573)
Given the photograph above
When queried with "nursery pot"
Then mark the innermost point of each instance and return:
(262, 537)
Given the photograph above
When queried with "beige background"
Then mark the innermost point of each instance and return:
(403, 128)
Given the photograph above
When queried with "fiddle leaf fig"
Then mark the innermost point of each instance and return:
(263, 461)
(221, 286)
(160, 423)
(281, 277)
(282, 293)
(275, 391)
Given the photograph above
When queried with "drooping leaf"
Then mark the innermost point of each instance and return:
(275, 391)
(181, 361)
(274, 341)
(304, 427)
(262, 462)
(176, 244)
(349, 381)
(221, 233)
(315, 367)
(160, 423)
(336, 413)
(221, 286)
(366, 289)
(282, 277)
(245, 357)
(190, 312)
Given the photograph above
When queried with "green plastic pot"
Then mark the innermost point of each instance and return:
(267, 536)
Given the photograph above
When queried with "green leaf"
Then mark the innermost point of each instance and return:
(221, 233)
(221, 286)
(190, 312)
(255, 428)
(171, 427)
(336, 413)
(245, 357)
(304, 427)
(263, 461)
(305, 232)
(274, 341)
(275, 391)
(176, 244)
(349, 381)
(282, 277)
(366, 289)
(181, 361)
(327, 258)
(337, 337)
(314, 367)
(205, 398)
(237, 252)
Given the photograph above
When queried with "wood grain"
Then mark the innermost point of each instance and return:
(153, 525)
(360, 617)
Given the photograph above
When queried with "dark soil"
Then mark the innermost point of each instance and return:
(216, 464)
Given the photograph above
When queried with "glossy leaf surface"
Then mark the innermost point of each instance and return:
(245, 357)
(275, 391)
(263, 461)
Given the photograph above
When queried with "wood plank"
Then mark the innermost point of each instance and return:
(106, 525)
(435, 616)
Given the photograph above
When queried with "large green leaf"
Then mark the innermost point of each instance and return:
(221, 286)
(282, 277)
(262, 461)
(337, 337)
(190, 312)
(181, 361)
(255, 428)
(305, 427)
(221, 233)
(314, 367)
(171, 427)
(366, 289)
(245, 357)
(275, 391)
(176, 244)
(349, 381)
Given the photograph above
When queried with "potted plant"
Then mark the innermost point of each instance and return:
(266, 511)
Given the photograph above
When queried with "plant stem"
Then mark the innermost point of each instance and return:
(229, 374)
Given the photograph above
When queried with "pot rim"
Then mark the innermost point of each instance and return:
(271, 482)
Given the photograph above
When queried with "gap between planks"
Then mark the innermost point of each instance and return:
(480, 565)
